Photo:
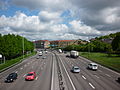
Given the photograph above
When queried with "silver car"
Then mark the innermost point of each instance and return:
(75, 69)
(93, 66)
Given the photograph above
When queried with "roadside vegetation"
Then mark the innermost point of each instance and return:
(15, 61)
(11, 49)
(104, 50)
(11, 46)
(112, 62)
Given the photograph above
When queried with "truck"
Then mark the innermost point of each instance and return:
(59, 50)
(74, 54)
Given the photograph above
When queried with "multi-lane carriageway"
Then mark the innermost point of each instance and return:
(53, 73)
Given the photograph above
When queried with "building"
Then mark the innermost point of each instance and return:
(57, 43)
(64, 43)
(42, 44)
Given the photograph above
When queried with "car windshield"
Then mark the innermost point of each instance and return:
(95, 65)
(29, 74)
(76, 68)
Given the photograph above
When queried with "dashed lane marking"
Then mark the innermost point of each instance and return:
(24, 75)
(36, 78)
(91, 85)
(16, 71)
(108, 75)
(96, 76)
(99, 70)
(83, 77)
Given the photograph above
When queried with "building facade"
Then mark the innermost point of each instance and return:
(42, 44)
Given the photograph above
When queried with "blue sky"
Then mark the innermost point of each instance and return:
(59, 19)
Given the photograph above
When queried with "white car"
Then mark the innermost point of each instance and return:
(93, 66)
(75, 69)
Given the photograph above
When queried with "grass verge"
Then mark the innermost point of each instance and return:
(112, 62)
(14, 61)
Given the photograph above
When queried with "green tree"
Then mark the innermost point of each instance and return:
(116, 43)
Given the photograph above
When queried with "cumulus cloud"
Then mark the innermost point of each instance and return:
(86, 18)
(52, 17)
(79, 28)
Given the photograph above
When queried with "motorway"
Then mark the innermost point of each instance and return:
(50, 70)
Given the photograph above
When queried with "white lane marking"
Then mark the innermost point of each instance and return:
(96, 76)
(68, 76)
(24, 75)
(16, 71)
(21, 68)
(91, 85)
(83, 77)
(36, 78)
(99, 70)
(108, 75)
(52, 84)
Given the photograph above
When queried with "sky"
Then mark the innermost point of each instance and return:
(59, 19)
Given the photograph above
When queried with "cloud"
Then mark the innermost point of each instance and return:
(79, 28)
(51, 5)
(85, 18)
(46, 16)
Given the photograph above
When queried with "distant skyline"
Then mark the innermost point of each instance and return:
(59, 19)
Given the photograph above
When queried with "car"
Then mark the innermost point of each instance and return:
(37, 57)
(44, 57)
(46, 52)
(11, 77)
(75, 69)
(118, 79)
(93, 66)
(30, 76)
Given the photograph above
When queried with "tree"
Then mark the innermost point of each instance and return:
(116, 43)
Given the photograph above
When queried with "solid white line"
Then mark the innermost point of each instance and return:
(83, 77)
(52, 84)
(91, 85)
(68, 76)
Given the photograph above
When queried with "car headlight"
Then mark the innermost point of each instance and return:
(11, 79)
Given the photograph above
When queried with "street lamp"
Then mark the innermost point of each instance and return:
(23, 46)
(88, 48)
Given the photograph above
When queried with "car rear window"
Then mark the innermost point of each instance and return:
(29, 74)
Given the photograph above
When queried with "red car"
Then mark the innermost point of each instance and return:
(30, 76)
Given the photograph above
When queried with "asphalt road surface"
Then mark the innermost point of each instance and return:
(48, 77)
(102, 79)
(43, 69)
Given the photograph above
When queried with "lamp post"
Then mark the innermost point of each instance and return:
(23, 46)
(88, 48)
